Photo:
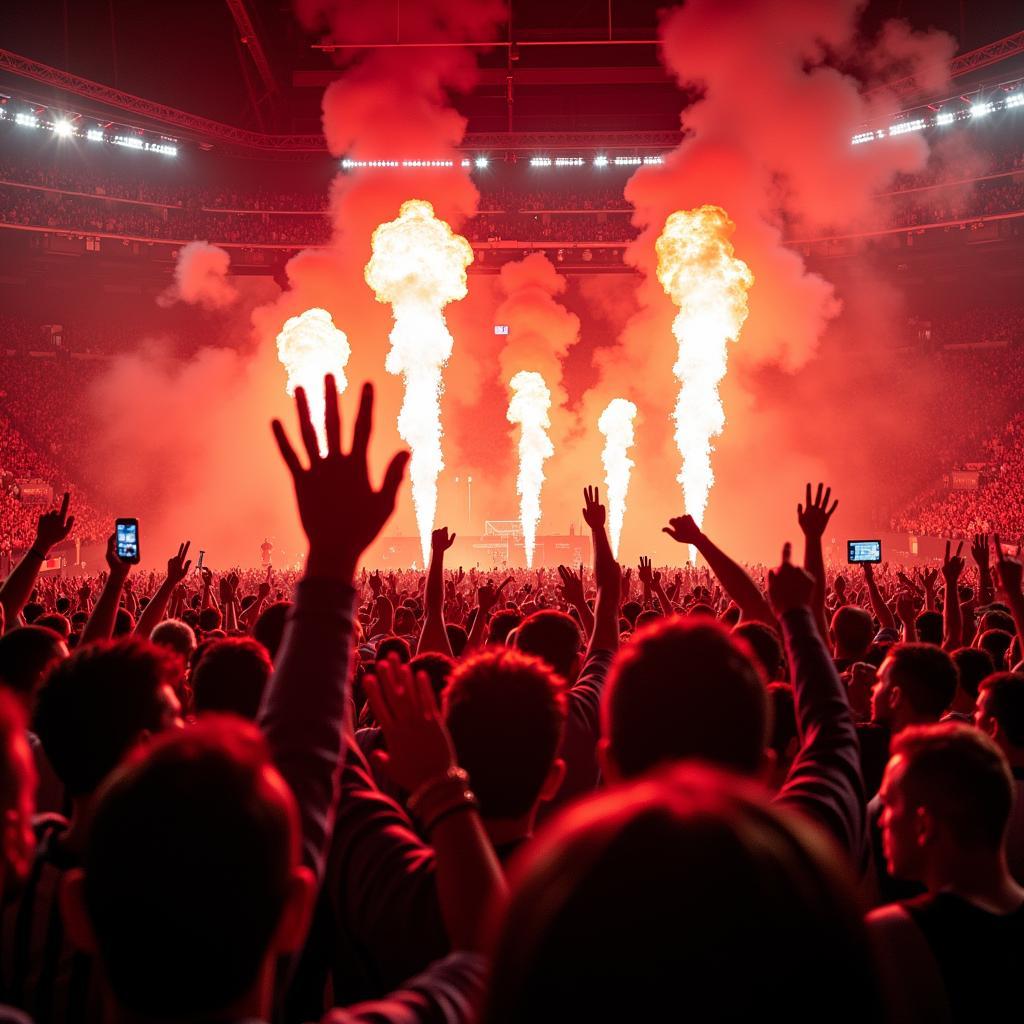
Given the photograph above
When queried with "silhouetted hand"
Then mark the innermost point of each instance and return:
(979, 551)
(813, 517)
(929, 576)
(118, 569)
(419, 748)
(907, 605)
(951, 570)
(207, 574)
(53, 527)
(375, 583)
(594, 514)
(340, 511)
(1009, 572)
(177, 566)
(572, 585)
(488, 595)
(643, 572)
(683, 530)
(788, 586)
(440, 541)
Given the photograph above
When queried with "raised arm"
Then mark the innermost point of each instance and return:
(813, 518)
(878, 606)
(104, 613)
(979, 552)
(605, 636)
(303, 710)
(952, 621)
(573, 594)
(177, 569)
(1009, 573)
(487, 596)
(734, 579)
(433, 636)
(51, 528)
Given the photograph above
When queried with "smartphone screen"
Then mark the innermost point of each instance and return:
(127, 540)
(864, 551)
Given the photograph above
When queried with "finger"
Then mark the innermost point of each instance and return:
(184, 551)
(835, 505)
(393, 478)
(828, 494)
(332, 415)
(945, 557)
(364, 423)
(787, 552)
(817, 498)
(959, 548)
(64, 505)
(291, 460)
(507, 581)
(998, 547)
(306, 430)
(185, 567)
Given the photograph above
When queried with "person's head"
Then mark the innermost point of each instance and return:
(438, 668)
(269, 627)
(62, 605)
(457, 638)
(972, 665)
(506, 711)
(684, 688)
(57, 622)
(766, 645)
(916, 684)
(191, 885)
(995, 618)
(929, 628)
(17, 793)
(405, 621)
(396, 645)
(94, 706)
(177, 636)
(996, 642)
(946, 795)
(230, 677)
(554, 638)
(1000, 712)
(784, 738)
(502, 623)
(32, 611)
(852, 632)
(210, 619)
(630, 610)
(26, 653)
(685, 887)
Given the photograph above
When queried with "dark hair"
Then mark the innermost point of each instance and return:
(685, 885)
(929, 628)
(958, 773)
(996, 619)
(925, 675)
(231, 676)
(685, 688)
(394, 645)
(269, 627)
(553, 637)
(783, 718)
(32, 611)
(62, 605)
(1005, 704)
(187, 868)
(502, 623)
(972, 665)
(25, 655)
(630, 610)
(457, 638)
(210, 619)
(997, 642)
(852, 630)
(438, 668)
(766, 645)
(93, 705)
(731, 615)
(55, 621)
(505, 711)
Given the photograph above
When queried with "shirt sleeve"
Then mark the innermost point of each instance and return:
(448, 992)
(303, 709)
(825, 780)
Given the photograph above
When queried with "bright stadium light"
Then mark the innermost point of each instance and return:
(63, 129)
(903, 127)
(94, 135)
(481, 162)
(26, 120)
(600, 160)
(981, 109)
(943, 119)
(1015, 99)
(540, 161)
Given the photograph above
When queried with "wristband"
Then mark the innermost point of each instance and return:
(453, 774)
(447, 812)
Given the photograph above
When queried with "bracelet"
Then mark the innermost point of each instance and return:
(458, 808)
(453, 774)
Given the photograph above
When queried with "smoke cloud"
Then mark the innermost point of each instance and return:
(201, 278)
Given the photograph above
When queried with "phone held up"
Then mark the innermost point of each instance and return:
(127, 540)
(863, 551)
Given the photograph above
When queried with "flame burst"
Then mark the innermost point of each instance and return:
(419, 266)
(616, 423)
(700, 274)
(528, 407)
(310, 347)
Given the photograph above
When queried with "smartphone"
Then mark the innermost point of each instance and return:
(863, 551)
(127, 540)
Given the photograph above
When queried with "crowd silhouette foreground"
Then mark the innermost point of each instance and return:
(725, 793)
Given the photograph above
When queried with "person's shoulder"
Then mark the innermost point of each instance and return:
(9, 1015)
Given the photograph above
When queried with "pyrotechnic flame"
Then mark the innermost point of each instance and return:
(528, 407)
(419, 266)
(310, 347)
(699, 272)
(616, 423)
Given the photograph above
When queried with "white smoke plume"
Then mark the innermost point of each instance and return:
(616, 423)
(200, 278)
(529, 407)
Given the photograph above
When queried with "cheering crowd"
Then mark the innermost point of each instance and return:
(601, 793)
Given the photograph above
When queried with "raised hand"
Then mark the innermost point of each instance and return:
(375, 583)
(440, 541)
(683, 530)
(594, 514)
(907, 604)
(979, 551)
(572, 585)
(419, 748)
(177, 565)
(814, 515)
(788, 586)
(207, 574)
(488, 595)
(53, 527)
(929, 576)
(118, 568)
(340, 511)
(644, 573)
(1009, 572)
(952, 567)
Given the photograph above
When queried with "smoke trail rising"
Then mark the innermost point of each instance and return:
(529, 407)
(616, 423)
